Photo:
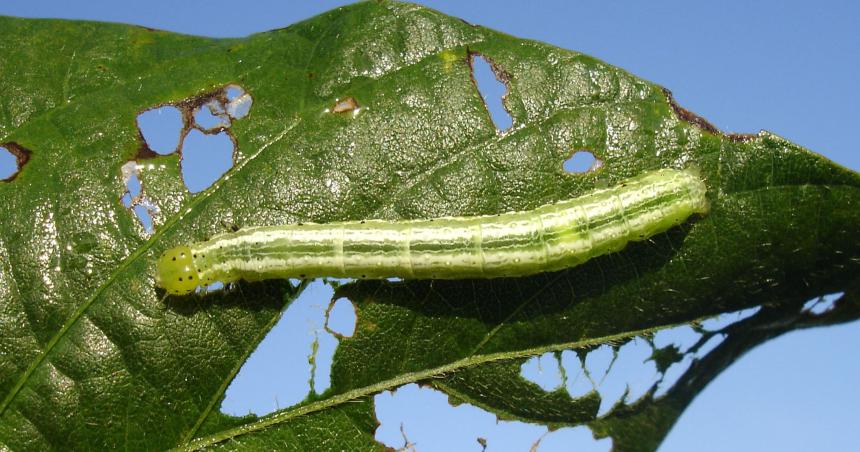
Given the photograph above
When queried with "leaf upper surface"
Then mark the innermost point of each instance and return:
(94, 356)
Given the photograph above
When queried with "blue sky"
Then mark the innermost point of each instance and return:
(789, 67)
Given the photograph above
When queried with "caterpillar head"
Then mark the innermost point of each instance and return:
(175, 271)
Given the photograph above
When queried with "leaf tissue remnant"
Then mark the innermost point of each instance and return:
(134, 199)
(345, 105)
(211, 116)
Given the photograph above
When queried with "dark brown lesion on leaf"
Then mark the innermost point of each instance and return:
(22, 156)
(703, 123)
(144, 151)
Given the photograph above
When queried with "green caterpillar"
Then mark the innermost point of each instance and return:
(548, 238)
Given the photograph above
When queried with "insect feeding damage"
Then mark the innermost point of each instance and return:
(701, 122)
(22, 156)
(582, 161)
(345, 105)
(492, 84)
(198, 129)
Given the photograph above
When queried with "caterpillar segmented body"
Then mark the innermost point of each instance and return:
(551, 237)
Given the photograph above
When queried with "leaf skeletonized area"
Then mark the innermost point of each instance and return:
(93, 356)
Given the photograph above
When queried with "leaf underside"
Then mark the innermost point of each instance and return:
(94, 356)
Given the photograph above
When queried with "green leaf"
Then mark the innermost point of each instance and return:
(94, 356)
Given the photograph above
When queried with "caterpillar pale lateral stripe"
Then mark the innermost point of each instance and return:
(551, 237)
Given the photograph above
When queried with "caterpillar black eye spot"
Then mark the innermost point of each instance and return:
(362, 222)
(174, 258)
(195, 256)
(180, 278)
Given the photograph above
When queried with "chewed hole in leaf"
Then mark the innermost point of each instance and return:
(341, 318)
(822, 304)
(630, 372)
(145, 218)
(682, 337)
(211, 116)
(211, 288)
(161, 128)
(233, 92)
(238, 101)
(709, 345)
(577, 381)
(205, 158)
(293, 359)
(437, 425)
(133, 198)
(721, 321)
(672, 374)
(13, 157)
(492, 90)
(582, 161)
(543, 370)
(8, 164)
(597, 362)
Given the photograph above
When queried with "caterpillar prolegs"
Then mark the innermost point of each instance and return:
(551, 237)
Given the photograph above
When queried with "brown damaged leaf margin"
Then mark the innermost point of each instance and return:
(22, 156)
(703, 123)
